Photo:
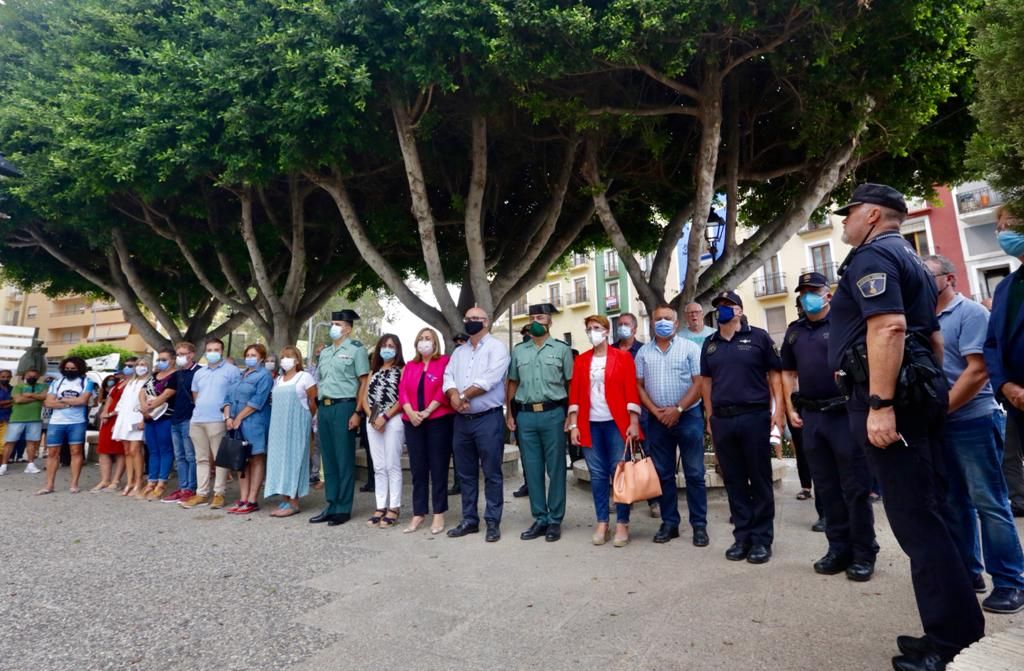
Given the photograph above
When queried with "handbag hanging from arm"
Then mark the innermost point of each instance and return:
(234, 452)
(635, 478)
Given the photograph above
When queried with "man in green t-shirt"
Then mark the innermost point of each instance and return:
(26, 408)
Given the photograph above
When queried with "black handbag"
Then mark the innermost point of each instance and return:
(234, 452)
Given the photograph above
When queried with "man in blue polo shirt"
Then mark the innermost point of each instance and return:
(973, 443)
(667, 371)
(209, 389)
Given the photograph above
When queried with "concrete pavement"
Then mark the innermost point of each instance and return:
(98, 582)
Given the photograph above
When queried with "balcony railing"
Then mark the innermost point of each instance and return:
(580, 259)
(519, 309)
(829, 270)
(816, 224)
(611, 303)
(978, 199)
(612, 271)
(555, 300)
(770, 285)
(577, 297)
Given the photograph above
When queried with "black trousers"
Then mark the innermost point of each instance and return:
(842, 483)
(745, 457)
(430, 448)
(1013, 456)
(803, 469)
(479, 444)
(913, 481)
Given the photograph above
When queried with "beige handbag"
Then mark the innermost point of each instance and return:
(636, 479)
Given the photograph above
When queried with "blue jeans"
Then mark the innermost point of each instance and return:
(161, 450)
(977, 489)
(688, 436)
(607, 449)
(184, 456)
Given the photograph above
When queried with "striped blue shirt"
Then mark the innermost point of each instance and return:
(668, 375)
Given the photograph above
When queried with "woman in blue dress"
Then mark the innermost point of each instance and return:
(249, 414)
(291, 424)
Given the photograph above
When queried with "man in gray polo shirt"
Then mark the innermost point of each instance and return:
(974, 447)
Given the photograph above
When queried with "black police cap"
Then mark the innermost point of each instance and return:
(349, 316)
(876, 194)
(460, 337)
(811, 280)
(543, 309)
(730, 296)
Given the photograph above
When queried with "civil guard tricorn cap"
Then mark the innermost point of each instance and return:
(543, 309)
(876, 194)
(730, 296)
(460, 337)
(349, 316)
(811, 280)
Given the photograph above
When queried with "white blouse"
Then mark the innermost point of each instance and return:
(302, 381)
(599, 411)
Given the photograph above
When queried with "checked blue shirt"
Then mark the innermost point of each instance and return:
(670, 374)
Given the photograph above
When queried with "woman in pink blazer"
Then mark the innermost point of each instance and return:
(428, 429)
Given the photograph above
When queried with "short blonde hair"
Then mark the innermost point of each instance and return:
(437, 344)
(292, 351)
(597, 319)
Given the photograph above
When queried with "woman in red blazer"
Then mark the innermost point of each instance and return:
(604, 410)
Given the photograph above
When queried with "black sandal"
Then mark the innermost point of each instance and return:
(378, 515)
(386, 522)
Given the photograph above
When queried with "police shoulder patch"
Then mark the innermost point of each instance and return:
(712, 347)
(792, 337)
(872, 285)
(356, 343)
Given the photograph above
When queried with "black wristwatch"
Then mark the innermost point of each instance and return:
(876, 403)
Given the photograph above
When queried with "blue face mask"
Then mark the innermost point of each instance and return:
(213, 358)
(387, 353)
(128, 370)
(726, 313)
(664, 328)
(813, 303)
(163, 365)
(1011, 242)
(335, 332)
(251, 361)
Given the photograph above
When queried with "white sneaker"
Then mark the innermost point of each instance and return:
(32, 469)
(3, 469)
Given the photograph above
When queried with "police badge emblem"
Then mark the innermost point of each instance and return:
(872, 285)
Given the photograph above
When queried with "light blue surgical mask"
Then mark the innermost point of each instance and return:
(387, 353)
(664, 328)
(335, 332)
(163, 365)
(813, 303)
(251, 361)
(128, 370)
(1012, 242)
(213, 358)
(624, 332)
(726, 313)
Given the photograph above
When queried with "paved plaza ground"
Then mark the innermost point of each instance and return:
(93, 581)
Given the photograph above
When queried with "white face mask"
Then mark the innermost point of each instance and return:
(335, 332)
(269, 365)
(597, 337)
(287, 363)
(141, 371)
(425, 347)
(181, 361)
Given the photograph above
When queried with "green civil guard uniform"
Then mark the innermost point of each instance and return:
(339, 369)
(540, 401)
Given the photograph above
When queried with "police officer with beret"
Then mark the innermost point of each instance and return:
(343, 370)
(538, 377)
(886, 345)
(838, 465)
(741, 363)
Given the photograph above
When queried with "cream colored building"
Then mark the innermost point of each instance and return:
(595, 282)
(67, 321)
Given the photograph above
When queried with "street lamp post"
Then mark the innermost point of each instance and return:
(712, 230)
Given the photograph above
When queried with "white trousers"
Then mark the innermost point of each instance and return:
(386, 451)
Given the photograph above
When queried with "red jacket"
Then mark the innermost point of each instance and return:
(619, 388)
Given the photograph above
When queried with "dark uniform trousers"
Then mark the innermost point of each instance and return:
(803, 468)
(842, 482)
(744, 451)
(338, 454)
(478, 445)
(913, 479)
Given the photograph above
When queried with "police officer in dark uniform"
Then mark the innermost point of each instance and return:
(838, 465)
(741, 363)
(885, 343)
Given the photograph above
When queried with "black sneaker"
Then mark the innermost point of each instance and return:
(1004, 600)
(978, 583)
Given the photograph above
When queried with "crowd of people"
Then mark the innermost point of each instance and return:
(894, 380)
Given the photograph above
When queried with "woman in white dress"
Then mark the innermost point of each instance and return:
(293, 406)
(128, 429)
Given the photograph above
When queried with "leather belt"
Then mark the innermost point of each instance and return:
(327, 402)
(740, 409)
(478, 415)
(824, 405)
(540, 407)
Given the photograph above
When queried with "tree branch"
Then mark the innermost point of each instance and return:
(474, 216)
(139, 285)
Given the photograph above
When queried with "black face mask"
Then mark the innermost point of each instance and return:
(472, 328)
(71, 374)
(6, 383)
(31, 380)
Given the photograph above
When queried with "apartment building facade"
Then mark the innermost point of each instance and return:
(67, 321)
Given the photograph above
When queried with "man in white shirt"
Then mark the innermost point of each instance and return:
(474, 382)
